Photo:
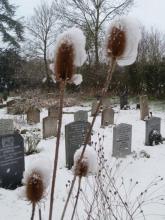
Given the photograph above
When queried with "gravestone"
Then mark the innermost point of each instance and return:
(75, 133)
(10, 105)
(152, 123)
(144, 110)
(12, 163)
(81, 116)
(6, 126)
(107, 117)
(122, 138)
(53, 111)
(94, 107)
(123, 101)
(33, 115)
(49, 127)
(106, 103)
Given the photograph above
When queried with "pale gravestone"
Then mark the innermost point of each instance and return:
(6, 126)
(81, 116)
(75, 134)
(107, 117)
(94, 107)
(144, 110)
(53, 111)
(122, 138)
(106, 103)
(49, 127)
(12, 163)
(33, 116)
(152, 123)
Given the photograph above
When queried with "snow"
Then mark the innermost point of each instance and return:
(134, 167)
(131, 27)
(90, 157)
(77, 79)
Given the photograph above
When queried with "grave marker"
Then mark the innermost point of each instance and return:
(122, 138)
(81, 116)
(107, 117)
(6, 126)
(12, 163)
(152, 123)
(33, 115)
(75, 133)
(53, 111)
(144, 110)
(49, 127)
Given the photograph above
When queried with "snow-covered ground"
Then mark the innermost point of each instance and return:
(140, 169)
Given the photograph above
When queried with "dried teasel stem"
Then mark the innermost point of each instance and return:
(33, 210)
(62, 89)
(104, 90)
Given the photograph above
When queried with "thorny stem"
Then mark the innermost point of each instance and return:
(62, 88)
(33, 210)
(77, 197)
(104, 91)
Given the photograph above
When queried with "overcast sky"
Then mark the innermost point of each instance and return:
(149, 12)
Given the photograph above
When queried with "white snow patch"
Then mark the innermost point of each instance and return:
(77, 79)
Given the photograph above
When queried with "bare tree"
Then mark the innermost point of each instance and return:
(90, 15)
(42, 26)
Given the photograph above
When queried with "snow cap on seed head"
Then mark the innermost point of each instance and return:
(122, 38)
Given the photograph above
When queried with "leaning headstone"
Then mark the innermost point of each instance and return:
(81, 116)
(107, 117)
(94, 107)
(33, 115)
(144, 110)
(75, 133)
(6, 126)
(122, 138)
(53, 111)
(12, 163)
(123, 101)
(49, 127)
(152, 123)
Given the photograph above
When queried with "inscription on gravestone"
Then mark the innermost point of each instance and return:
(11, 160)
(152, 123)
(107, 117)
(74, 137)
(81, 116)
(49, 127)
(6, 126)
(122, 138)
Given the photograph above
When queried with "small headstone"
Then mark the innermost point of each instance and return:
(144, 110)
(53, 111)
(122, 138)
(12, 163)
(81, 116)
(123, 101)
(10, 105)
(152, 123)
(106, 103)
(33, 115)
(6, 126)
(94, 107)
(75, 133)
(49, 127)
(107, 117)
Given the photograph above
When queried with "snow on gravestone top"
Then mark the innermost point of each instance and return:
(75, 133)
(6, 126)
(12, 163)
(81, 116)
(152, 123)
(122, 138)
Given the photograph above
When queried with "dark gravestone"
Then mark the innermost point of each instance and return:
(53, 111)
(75, 133)
(123, 101)
(49, 127)
(6, 126)
(144, 110)
(81, 116)
(33, 115)
(107, 117)
(12, 163)
(122, 138)
(152, 123)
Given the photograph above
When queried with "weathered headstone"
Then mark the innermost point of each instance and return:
(81, 116)
(10, 105)
(152, 123)
(33, 115)
(107, 117)
(94, 107)
(106, 103)
(123, 101)
(122, 138)
(49, 127)
(12, 163)
(6, 126)
(144, 110)
(75, 133)
(53, 111)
